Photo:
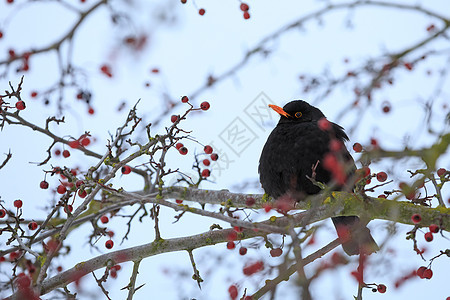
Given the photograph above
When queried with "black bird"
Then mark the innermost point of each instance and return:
(303, 141)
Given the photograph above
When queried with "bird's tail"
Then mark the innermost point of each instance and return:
(355, 237)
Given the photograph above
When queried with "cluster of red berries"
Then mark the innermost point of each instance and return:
(433, 229)
(337, 169)
(245, 8)
(82, 141)
(113, 271)
(424, 273)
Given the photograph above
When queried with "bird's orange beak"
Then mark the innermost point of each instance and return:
(279, 110)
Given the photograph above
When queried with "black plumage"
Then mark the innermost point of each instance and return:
(296, 146)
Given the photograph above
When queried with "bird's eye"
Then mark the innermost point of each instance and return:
(298, 114)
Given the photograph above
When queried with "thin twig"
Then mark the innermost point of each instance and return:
(132, 284)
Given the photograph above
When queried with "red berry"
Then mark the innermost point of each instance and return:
(204, 105)
(57, 152)
(184, 99)
(243, 251)
(214, 156)
(206, 162)
(381, 176)
(44, 185)
(105, 69)
(232, 236)
(246, 15)
(441, 172)
(10, 1)
(74, 144)
(276, 252)
(32, 225)
(174, 118)
(20, 105)
(233, 291)
(386, 107)
(433, 228)
(126, 170)
(382, 196)
(66, 153)
(244, 7)
(428, 236)
(61, 189)
(365, 171)
(374, 142)
(357, 147)
(85, 141)
(109, 244)
(18, 203)
(427, 274)
(110, 233)
(335, 145)
(201, 11)
(178, 146)
(68, 208)
(416, 218)
(267, 207)
(116, 267)
(253, 268)
(183, 1)
(381, 288)
(2, 213)
(91, 111)
(409, 66)
(178, 201)
(183, 150)
(155, 70)
(250, 201)
(230, 245)
(208, 149)
(79, 183)
(324, 124)
(1, 34)
(420, 271)
(33, 94)
(104, 219)
(82, 193)
(205, 173)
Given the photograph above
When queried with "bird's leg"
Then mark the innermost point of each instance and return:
(313, 168)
